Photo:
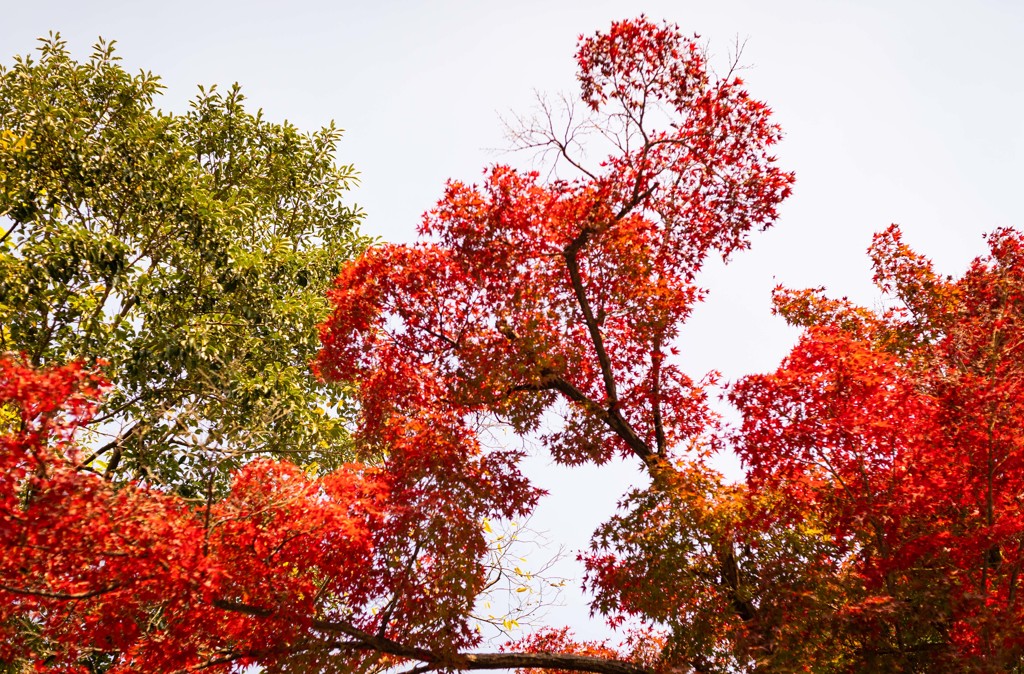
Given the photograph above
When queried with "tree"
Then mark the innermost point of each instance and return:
(900, 430)
(190, 252)
(879, 525)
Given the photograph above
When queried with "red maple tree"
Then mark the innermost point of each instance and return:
(879, 525)
(893, 439)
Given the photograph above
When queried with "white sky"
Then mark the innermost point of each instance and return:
(894, 112)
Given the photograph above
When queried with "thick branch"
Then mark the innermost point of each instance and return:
(13, 227)
(611, 417)
(246, 609)
(588, 315)
(114, 444)
(659, 426)
(363, 640)
(470, 661)
(379, 643)
(575, 663)
(638, 198)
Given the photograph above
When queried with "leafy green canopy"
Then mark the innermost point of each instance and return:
(190, 252)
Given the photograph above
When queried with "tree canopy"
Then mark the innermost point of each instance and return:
(190, 252)
(878, 526)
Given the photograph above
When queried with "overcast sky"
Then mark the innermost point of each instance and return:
(893, 112)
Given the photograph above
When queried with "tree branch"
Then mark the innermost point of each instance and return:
(659, 426)
(575, 663)
(471, 661)
(246, 609)
(571, 262)
(68, 596)
(613, 418)
(378, 643)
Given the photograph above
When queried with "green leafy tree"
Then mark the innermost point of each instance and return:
(190, 252)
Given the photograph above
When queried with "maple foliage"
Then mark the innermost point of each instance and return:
(900, 430)
(267, 573)
(525, 292)
(879, 526)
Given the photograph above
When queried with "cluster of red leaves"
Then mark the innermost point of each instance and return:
(641, 647)
(526, 291)
(285, 567)
(562, 640)
(881, 523)
(898, 434)
(708, 172)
